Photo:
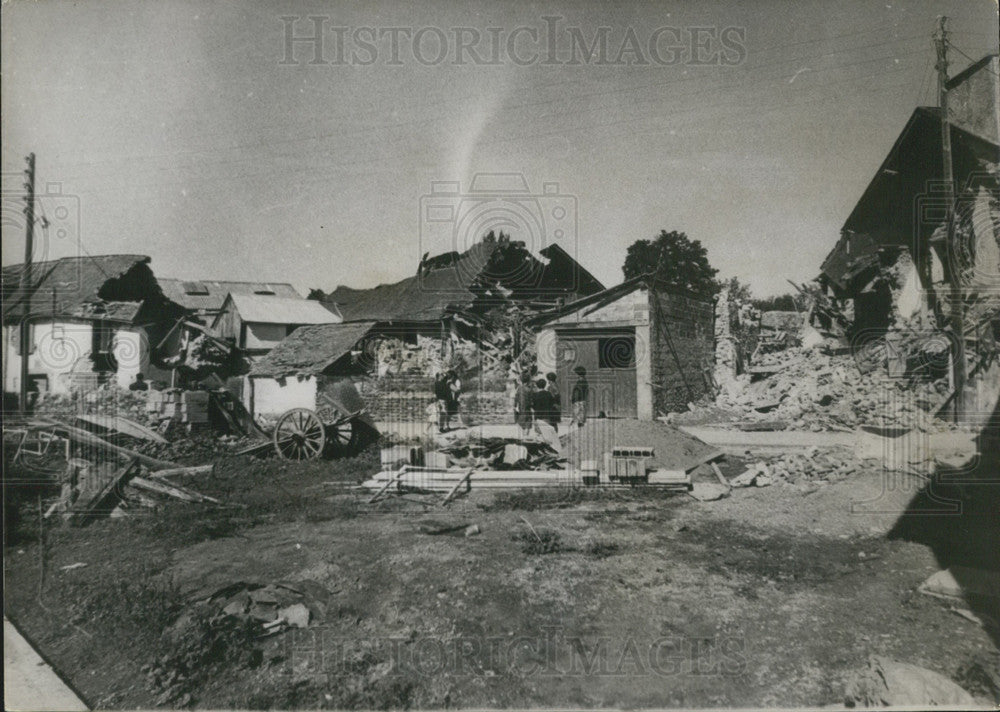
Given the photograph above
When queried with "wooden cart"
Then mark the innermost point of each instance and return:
(332, 428)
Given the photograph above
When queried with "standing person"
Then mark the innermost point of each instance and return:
(442, 394)
(139, 384)
(542, 403)
(522, 405)
(454, 394)
(580, 396)
(553, 388)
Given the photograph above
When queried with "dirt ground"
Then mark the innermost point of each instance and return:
(772, 596)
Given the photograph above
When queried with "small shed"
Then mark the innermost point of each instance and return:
(646, 352)
(307, 364)
(257, 323)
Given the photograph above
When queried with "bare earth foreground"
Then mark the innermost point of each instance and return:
(770, 596)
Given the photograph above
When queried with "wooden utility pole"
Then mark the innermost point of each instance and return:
(25, 284)
(956, 304)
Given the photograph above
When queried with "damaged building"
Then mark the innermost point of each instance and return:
(451, 293)
(900, 213)
(92, 321)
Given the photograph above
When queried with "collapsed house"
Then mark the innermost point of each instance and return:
(887, 281)
(646, 352)
(92, 321)
(450, 294)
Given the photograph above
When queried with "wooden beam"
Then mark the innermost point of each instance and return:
(454, 490)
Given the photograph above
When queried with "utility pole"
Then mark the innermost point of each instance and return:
(25, 285)
(956, 304)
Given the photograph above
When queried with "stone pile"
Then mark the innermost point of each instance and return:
(812, 390)
(811, 466)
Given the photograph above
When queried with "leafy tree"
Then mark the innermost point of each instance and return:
(738, 292)
(781, 302)
(676, 263)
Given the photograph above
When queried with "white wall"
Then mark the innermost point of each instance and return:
(272, 397)
(265, 336)
(62, 348)
(59, 349)
(131, 349)
(546, 344)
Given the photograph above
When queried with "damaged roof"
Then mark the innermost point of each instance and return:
(896, 210)
(209, 295)
(106, 287)
(453, 282)
(281, 310)
(310, 350)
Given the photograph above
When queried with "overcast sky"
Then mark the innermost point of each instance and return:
(191, 131)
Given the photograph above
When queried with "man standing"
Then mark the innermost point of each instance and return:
(442, 394)
(579, 396)
(553, 388)
(139, 384)
(522, 404)
(454, 395)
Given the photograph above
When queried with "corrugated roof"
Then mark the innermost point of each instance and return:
(311, 349)
(281, 310)
(208, 295)
(83, 287)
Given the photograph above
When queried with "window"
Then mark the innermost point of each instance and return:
(616, 352)
(195, 289)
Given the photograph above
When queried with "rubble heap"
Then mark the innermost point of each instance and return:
(813, 390)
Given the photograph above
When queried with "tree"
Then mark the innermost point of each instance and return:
(676, 263)
(781, 302)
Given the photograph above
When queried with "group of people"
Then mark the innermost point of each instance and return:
(537, 400)
(540, 401)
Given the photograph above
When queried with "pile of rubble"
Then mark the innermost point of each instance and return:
(810, 466)
(106, 400)
(807, 389)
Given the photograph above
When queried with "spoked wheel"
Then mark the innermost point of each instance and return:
(340, 430)
(299, 435)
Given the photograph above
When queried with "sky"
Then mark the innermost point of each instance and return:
(194, 133)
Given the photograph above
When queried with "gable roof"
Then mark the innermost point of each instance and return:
(310, 350)
(281, 310)
(110, 287)
(209, 295)
(608, 295)
(458, 282)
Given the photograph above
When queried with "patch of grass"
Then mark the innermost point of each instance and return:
(540, 541)
(601, 548)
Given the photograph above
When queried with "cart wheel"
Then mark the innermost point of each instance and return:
(340, 430)
(299, 435)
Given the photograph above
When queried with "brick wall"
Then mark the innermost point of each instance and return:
(679, 374)
(404, 398)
